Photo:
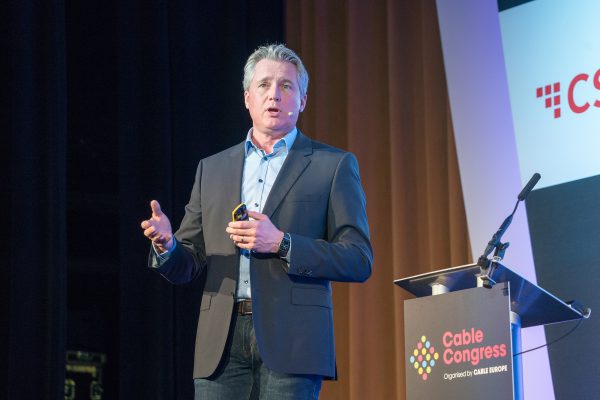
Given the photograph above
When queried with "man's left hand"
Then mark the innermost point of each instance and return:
(257, 234)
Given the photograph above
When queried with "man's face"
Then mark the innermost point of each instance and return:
(273, 94)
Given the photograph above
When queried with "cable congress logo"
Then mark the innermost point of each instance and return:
(423, 357)
(578, 104)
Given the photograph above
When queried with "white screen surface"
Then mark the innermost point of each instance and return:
(552, 57)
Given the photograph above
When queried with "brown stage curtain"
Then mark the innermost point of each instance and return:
(378, 89)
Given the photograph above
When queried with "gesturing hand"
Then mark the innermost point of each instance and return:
(158, 228)
(258, 234)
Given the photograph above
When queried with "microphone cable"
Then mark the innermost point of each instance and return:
(553, 341)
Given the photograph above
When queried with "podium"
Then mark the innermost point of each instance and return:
(457, 293)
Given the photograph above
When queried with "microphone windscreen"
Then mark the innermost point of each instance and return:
(532, 182)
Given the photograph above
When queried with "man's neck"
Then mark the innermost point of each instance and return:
(266, 141)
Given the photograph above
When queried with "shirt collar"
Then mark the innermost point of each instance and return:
(287, 141)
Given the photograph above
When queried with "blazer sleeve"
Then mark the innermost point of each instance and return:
(189, 257)
(347, 254)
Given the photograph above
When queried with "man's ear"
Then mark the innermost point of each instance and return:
(246, 94)
(303, 102)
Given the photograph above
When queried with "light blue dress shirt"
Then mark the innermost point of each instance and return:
(260, 171)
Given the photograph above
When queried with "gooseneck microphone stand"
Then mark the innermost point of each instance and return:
(486, 265)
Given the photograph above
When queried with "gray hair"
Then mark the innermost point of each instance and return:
(275, 52)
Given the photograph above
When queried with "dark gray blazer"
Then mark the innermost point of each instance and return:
(317, 198)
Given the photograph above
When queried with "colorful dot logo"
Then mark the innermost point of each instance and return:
(424, 357)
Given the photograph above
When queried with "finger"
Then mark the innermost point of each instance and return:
(250, 232)
(145, 224)
(242, 239)
(238, 230)
(257, 216)
(241, 224)
(234, 231)
(238, 238)
(237, 226)
(150, 232)
(244, 245)
(156, 211)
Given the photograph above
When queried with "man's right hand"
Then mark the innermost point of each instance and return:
(158, 228)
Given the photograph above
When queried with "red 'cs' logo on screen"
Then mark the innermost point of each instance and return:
(577, 104)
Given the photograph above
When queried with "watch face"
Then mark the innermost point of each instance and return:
(284, 246)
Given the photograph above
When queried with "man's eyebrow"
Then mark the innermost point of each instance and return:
(265, 79)
(270, 78)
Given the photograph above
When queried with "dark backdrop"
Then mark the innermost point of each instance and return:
(565, 231)
(108, 104)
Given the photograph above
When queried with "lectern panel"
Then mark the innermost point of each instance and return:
(458, 345)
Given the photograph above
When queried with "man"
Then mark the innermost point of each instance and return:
(265, 329)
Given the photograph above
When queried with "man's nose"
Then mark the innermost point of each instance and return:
(275, 93)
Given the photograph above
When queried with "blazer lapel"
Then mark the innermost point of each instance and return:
(232, 172)
(295, 163)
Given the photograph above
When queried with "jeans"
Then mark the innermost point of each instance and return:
(242, 375)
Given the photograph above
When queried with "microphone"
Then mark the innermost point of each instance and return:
(532, 182)
(494, 242)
